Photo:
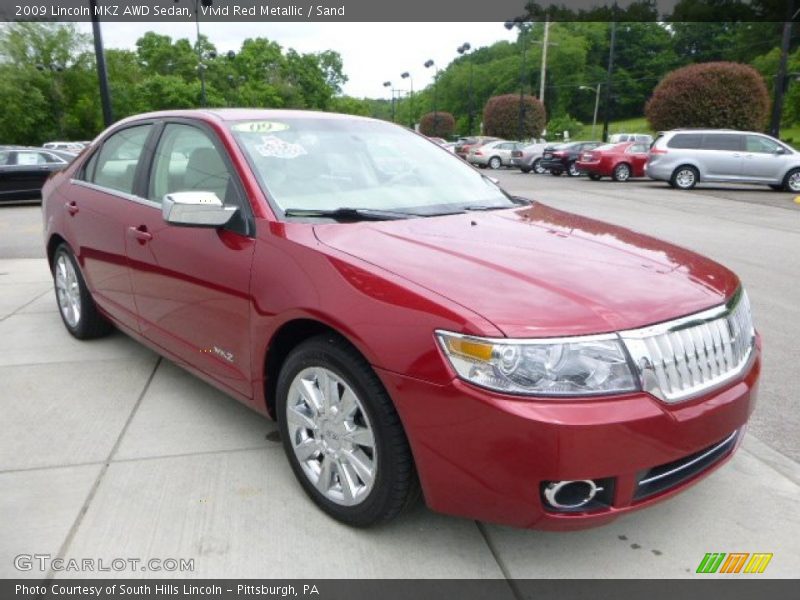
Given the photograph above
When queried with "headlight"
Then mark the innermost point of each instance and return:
(589, 365)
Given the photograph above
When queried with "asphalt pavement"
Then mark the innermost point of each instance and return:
(109, 451)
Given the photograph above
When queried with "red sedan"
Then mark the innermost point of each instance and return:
(618, 161)
(410, 325)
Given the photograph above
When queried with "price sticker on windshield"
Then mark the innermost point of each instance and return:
(259, 127)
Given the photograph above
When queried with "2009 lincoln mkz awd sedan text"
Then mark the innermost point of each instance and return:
(411, 326)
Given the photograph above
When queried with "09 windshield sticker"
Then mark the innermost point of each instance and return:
(259, 127)
(275, 147)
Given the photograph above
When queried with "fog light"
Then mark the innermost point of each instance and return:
(571, 495)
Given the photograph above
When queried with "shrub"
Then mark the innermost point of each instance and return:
(438, 124)
(501, 117)
(716, 94)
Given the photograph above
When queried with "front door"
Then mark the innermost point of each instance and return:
(192, 284)
(763, 160)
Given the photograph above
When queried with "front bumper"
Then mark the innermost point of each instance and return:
(485, 456)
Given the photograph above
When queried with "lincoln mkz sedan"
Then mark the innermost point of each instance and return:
(412, 328)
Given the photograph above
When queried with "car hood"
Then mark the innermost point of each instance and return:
(537, 271)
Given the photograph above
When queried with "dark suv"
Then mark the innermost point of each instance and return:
(562, 157)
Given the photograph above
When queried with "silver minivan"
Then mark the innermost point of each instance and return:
(684, 157)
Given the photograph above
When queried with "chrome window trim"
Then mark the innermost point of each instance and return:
(117, 193)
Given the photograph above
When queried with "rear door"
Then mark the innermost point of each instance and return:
(98, 201)
(192, 284)
(721, 156)
(763, 160)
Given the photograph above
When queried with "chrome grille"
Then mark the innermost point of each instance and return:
(679, 359)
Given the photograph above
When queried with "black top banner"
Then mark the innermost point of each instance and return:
(398, 11)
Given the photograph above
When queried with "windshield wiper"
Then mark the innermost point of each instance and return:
(365, 214)
(347, 214)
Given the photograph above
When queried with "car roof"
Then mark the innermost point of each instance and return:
(244, 114)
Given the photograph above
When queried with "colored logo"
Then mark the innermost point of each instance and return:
(735, 562)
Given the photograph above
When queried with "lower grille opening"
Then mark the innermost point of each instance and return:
(669, 475)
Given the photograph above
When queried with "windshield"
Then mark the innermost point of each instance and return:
(325, 164)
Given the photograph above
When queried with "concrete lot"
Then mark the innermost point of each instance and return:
(109, 452)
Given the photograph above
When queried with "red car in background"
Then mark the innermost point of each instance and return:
(409, 324)
(465, 145)
(618, 161)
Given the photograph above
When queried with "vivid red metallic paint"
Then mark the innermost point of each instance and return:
(605, 161)
(386, 286)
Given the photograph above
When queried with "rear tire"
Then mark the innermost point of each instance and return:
(791, 182)
(326, 391)
(684, 177)
(495, 163)
(525, 169)
(622, 172)
(75, 304)
(538, 168)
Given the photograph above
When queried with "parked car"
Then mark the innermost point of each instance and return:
(450, 147)
(493, 154)
(561, 158)
(618, 161)
(685, 157)
(528, 158)
(75, 147)
(521, 364)
(643, 138)
(464, 145)
(438, 140)
(23, 171)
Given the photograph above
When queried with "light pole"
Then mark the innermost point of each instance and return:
(596, 102)
(407, 75)
(519, 23)
(201, 56)
(100, 61)
(388, 84)
(428, 64)
(607, 101)
(462, 50)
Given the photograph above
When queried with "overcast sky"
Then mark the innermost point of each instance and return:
(372, 52)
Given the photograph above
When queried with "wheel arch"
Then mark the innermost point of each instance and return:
(286, 338)
(54, 242)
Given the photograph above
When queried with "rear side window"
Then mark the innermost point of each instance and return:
(722, 141)
(637, 148)
(756, 143)
(691, 141)
(114, 166)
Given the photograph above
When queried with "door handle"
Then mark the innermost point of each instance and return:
(72, 208)
(141, 233)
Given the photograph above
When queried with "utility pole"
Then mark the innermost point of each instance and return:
(544, 59)
(607, 102)
(100, 60)
(781, 79)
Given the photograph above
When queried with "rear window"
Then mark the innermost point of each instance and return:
(686, 140)
(722, 141)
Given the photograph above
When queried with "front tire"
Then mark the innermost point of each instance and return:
(75, 304)
(538, 168)
(342, 435)
(572, 169)
(684, 177)
(791, 183)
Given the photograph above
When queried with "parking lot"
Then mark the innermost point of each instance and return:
(109, 451)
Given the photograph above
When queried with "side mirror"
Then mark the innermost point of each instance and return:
(780, 150)
(196, 209)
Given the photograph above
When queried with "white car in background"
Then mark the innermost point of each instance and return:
(493, 154)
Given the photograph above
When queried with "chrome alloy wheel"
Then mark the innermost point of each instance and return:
(331, 436)
(685, 178)
(623, 172)
(793, 183)
(68, 290)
